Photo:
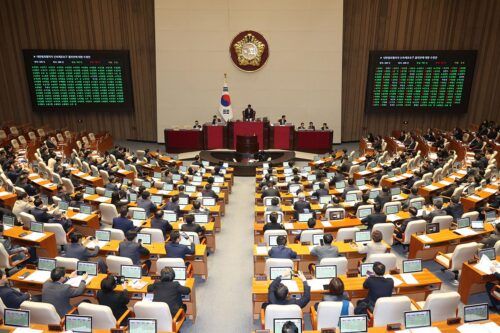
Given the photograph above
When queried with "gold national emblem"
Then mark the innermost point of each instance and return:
(249, 50)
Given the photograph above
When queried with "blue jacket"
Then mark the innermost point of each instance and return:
(282, 252)
(12, 298)
(175, 250)
(123, 224)
(41, 215)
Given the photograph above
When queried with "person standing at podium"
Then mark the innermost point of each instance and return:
(282, 121)
(249, 113)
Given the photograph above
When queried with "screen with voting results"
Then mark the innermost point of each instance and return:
(103, 235)
(180, 273)
(475, 312)
(142, 325)
(275, 272)
(19, 318)
(414, 319)
(88, 267)
(412, 266)
(76, 323)
(131, 271)
(365, 268)
(353, 324)
(326, 272)
(362, 236)
(144, 238)
(46, 264)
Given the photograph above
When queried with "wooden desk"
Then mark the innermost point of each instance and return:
(472, 281)
(399, 179)
(86, 226)
(427, 283)
(45, 245)
(431, 190)
(286, 209)
(45, 185)
(7, 199)
(471, 201)
(87, 178)
(444, 241)
(215, 211)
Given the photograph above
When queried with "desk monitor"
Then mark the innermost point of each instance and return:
(206, 201)
(131, 271)
(330, 175)
(8, 220)
(63, 205)
(279, 323)
(490, 215)
(311, 178)
(176, 177)
(362, 167)
(183, 200)
(404, 169)
(417, 204)
(489, 252)
(360, 182)
(183, 168)
(168, 187)
(477, 225)
(88, 267)
(46, 264)
(432, 228)
(142, 325)
(86, 209)
(180, 273)
(146, 184)
(304, 217)
(275, 272)
(197, 179)
(391, 209)
(340, 185)
(476, 312)
(216, 189)
(390, 174)
(190, 188)
(306, 169)
(218, 180)
(364, 212)
(365, 268)
(412, 266)
(144, 238)
(138, 215)
(170, 216)
(45, 200)
(395, 190)
(78, 324)
(463, 222)
(351, 197)
(373, 194)
(273, 240)
(103, 235)
(18, 318)
(288, 179)
(353, 324)
(132, 197)
(293, 188)
(326, 271)
(108, 193)
(336, 215)
(36, 226)
(156, 199)
(315, 186)
(89, 190)
(325, 199)
(206, 164)
(415, 319)
(201, 218)
(362, 236)
(157, 175)
(286, 164)
(317, 239)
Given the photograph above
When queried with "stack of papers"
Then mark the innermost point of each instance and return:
(445, 183)
(4, 193)
(80, 216)
(475, 197)
(489, 190)
(317, 284)
(431, 187)
(291, 285)
(425, 238)
(489, 327)
(393, 217)
(465, 231)
(288, 225)
(102, 199)
(38, 276)
(421, 330)
(326, 224)
(75, 282)
(397, 281)
(409, 278)
(38, 180)
(80, 174)
(462, 172)
(26, 330)
(485, 265)
(34, 236)
(262, 250)
(138, 284)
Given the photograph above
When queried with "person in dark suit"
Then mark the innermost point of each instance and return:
(273, 223)
(278, 293)
(176, 250)
(378, 286)
(249, 113)
(364, 201)
(270, 191)
(275, 206)
(191, 226)
(281, 251)
(455, 208)
(122, 222)
(282, 120)
(384, 197)
(438, 211)
(321, 191)
(400, 230)
(301, 127)
(311, 126)
(58, 218)
(351, 186)
(196, 125)
(169, 291)
(75, 249)
(133, 250)
(157, 222)
(301, 205)
(144, 202)
(116, 300)
(209, 193)
(374, 218)
(55, 292)
(77, 201)
(325, 127)
(491, 239)
(40, 212)
(289, 327)
(173, 205)
(12, 298)
(214, 120)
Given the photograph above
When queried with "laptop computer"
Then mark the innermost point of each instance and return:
(293, 188)
(46, 264)
(275, 272)
(157, 199)
(206, 201)
(391, 209)
(8, 221)
(325, 199)
(360, 182)
(142, 325)
(490, 215)
(340, 185)
(364, 212)
(170, 216)
(197, 179)
(63, 206)
(279, 323)
(36, 226)
(131, 271)
(477, 225)
(373, 194)
(476, 312)
(326, 272)
(416, 319)
(417, 204)
(144, 238)
(463, 222)
(146, 184)
(317, 239)
(201, 218)
(86, 209)
(190, 188)
(180, 275)
(17, 318)
(157, 175)
(412, 266)
(362, 237)
(304, 217)
(365, 268)
(353, 324)
(168, 187)
(108, 193)
(78, 323)
(132, 197)
(88, 267)
(351, 197)
(183, 201)
(102, 237)
(488, 252)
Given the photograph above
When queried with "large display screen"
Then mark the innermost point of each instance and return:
(413, 81)
(69, 80)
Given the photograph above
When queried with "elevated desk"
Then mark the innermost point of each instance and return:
(319, 142)
(247, 144)
(215, 136)
(179, 141)
(282, 136)
(46, 245)
(258, 128)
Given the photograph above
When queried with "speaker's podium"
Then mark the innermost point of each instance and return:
(258, 128)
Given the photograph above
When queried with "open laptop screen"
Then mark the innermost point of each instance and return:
(326, 271)
(415, 319)
(353, 324)
(88, 267)
(412, 266)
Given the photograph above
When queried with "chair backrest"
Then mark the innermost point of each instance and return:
(4, 257)
(115, 262)
(269, 233)
(108, 213)
(156, 234)
(306, 236)
(41, 132)
(95, 171)
(68, 185)
(281, 216)
(390, 310)
(444, 221)
(414, 227)
(169, 262)
(463, 253)
(274, 262)
(100, 190)
(3, 135)
(329, 314)
(346, 233)
(387, 230)
(353, 169)
(419, 199)
(14, 143)
(41, 313)
(155, 310)
(442, 305)
(418, 183)
(92, 137)
(104, 175)
(120, 163)
(26, 218)
(472, 215)
(274, 311)
(60, 137)
(22, 140)
(388, 259)
(340, 262)
(14, 130)
(58, 230)
(116, 234)
(69, 264)
(140, 153)
(102, 316)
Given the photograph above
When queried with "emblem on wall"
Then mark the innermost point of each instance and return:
(249, 51)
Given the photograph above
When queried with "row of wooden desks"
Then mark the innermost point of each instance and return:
(472, 280)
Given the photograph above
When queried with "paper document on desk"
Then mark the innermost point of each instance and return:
(138, 223)
(38, 276)
(4, 193)
(288, 225)
(366, 172)
(409, 278)
(80, 216)
(425, 238)
(162, 192)
(138, 284)
(38, 180)
(484, 265)
(465, 231)
(445, 183)
(431, 187)
(89, 178)
(317, 284)
(475, 197)
(102, 199)
(26, 330)
(34, 236)
(393, 217)
(397, 281)
(291, 285)
(326, 224)
(489, 190)
(262, 250)
(490, 327)
(425, 330)
(75, 281)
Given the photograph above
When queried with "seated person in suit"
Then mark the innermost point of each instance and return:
(273, 223)
(157, 222)
(275, 206)
(76, 249)
(57, 217)
(301, 205)
(311, 126)
(377, 217)
(324, 127)
(190, 225)
(301, 127)
(134, 250)
(282, 120)
(77, 200)
(438, 210)
(196, 125)
(57, 293)
(336, 293)
(19, 252)
(40, 212)
(364, 201)
(384, 197)
(144, 202)
(176, 250)
(12, 298)
(182, 194)
(123, 222)
(278, 293)
(22, 182)
(208, 192)
(173, 205)
(116, 300)
(375, 246)
(214, 120)
(490, 240)
(321, 191)
(455, 208)
(270, 191)
(351, 186)
(248, 113)
(169, 291)
(327, 250)
(198, 209)
(22, 205)
(119, 200)
(281, 251)
(311, 225)
(495, 303)
(400, 229)
(377, 286)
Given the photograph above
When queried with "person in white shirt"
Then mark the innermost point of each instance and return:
(375, 246)
(22, 205)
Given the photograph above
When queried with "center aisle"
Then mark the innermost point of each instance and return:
(224, 301)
